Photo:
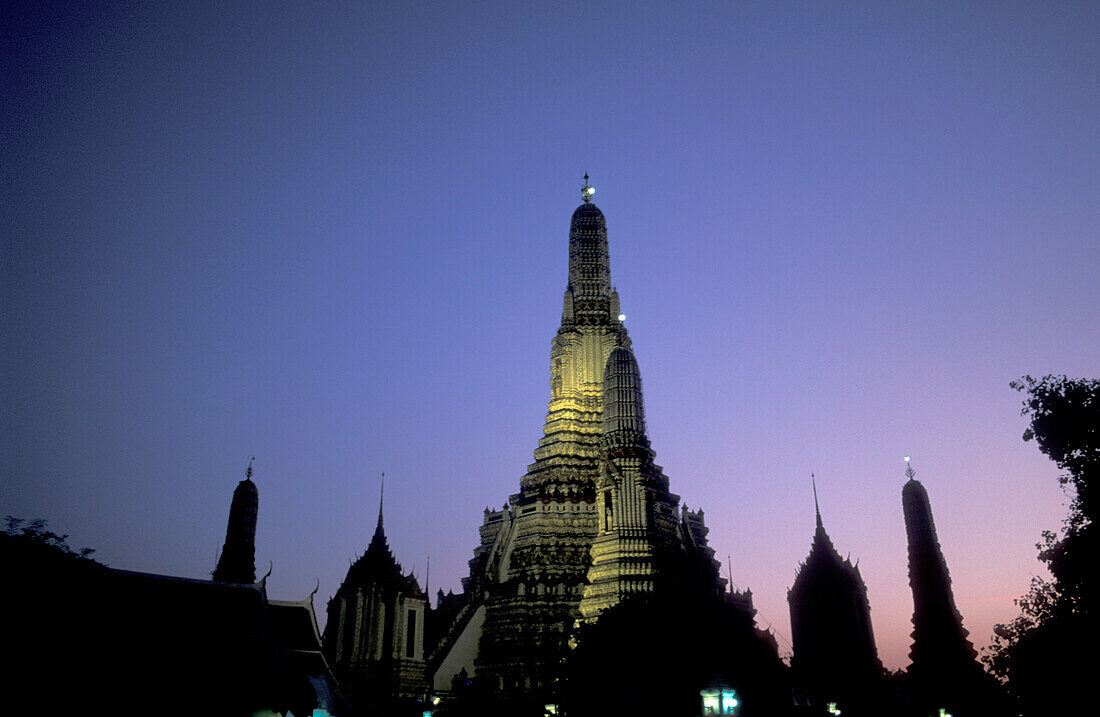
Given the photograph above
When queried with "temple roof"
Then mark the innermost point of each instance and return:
(824, 564)
(378, 566)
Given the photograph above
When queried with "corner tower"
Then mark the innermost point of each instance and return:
(237, 563)
(636, 513)
(938, 635)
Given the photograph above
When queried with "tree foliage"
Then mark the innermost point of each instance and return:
(653, 653)
(1041, 654)
(32, 537)
(1065, 422)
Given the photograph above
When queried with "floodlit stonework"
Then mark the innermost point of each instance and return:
(593, 519)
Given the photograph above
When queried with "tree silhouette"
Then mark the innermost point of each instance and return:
(1044, 654)
(653, 653)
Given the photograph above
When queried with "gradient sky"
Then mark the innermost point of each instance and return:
(335, 237)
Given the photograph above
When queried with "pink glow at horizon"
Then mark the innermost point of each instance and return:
(335, 238)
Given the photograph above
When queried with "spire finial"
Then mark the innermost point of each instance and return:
(381, 495)
(587, 190)
(909, 472)
(248, 473)
(817, 511)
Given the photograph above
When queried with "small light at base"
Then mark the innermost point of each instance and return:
(622, 317)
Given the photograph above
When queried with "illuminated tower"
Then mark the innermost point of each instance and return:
(534, 553)
(237, 563)
(635, 511)
(943, 659)
(529, 572)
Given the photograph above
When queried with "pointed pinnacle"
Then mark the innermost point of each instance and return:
(381, 495)
(817, 510)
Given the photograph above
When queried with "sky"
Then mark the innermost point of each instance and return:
(334, 236)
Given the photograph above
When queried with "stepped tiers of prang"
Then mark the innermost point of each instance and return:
(593, 521)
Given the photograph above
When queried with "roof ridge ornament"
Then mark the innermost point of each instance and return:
(587, 190)
(909, 472)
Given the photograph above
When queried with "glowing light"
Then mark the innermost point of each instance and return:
(622, 317)
(719, 701)
(907, 459)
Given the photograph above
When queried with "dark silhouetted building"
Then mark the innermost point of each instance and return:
(835, 659)
(83, 638)
(374, 637)
(237, 563)
(944, 671)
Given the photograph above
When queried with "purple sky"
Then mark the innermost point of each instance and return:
(336, 238)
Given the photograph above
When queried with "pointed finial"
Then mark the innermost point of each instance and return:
(248, 473)
(813, 482)
(909, 472)
(587, 190)
(381, 496)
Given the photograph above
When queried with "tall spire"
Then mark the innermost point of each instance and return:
(833, 641)
(589, 266)
(590, 329)
(378, 531)
(238, 559)
(817, 510)
(563, 474)
(939, 639)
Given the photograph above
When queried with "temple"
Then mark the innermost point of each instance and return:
(374, 635)
(835, 659)
(237, 563)
(944, 671)
(593, 521)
